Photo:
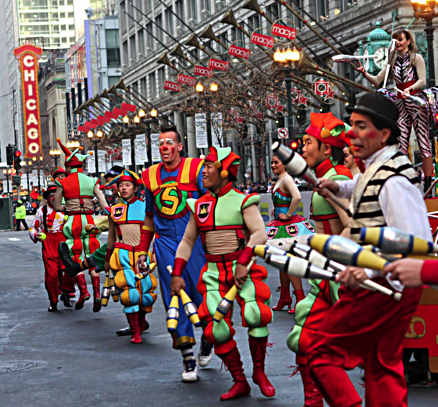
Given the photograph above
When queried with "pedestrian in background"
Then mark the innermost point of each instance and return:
(20, 216)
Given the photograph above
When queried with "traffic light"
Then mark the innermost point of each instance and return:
(294, 145)
(17, 161)
(10, 155)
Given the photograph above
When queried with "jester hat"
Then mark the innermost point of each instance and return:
(224, 160)
(125, 175)
(72, 158)
(328, 129)
(58, 170)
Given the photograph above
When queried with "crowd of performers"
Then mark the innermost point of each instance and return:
(206, 230)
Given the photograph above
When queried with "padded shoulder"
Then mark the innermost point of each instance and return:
(250, 200)
(190, 204)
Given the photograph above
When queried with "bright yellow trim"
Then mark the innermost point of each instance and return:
(153, 177)
(169, 185)
(185, 173)
(150, 228)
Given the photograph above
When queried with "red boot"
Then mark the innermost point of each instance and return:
(135, 327)
(144, 325)
(97, 302)
(241, 386)
(285, 299)
(300, 297)
(312, 395)
(257, 346)
(84, 294)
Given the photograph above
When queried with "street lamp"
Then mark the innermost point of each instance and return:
(425, 9)
(73, 144)
(214, 87)
(154, 112)
(95, 138)
(55, 154)
(288, 60)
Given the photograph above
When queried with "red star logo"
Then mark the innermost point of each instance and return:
(279, 108)
(330, 94)
(302, 100)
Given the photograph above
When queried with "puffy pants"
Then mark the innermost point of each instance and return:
(254, 299)
(78, 239)
(368, 328)
(54, 278)
(165, 251)
(134, 294)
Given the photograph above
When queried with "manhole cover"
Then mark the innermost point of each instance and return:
(7, 367)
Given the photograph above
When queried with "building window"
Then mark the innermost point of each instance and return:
(150, 42)
(179, 6)
(125, 52)
(152, 86)
(169, 19)
(159, 31)
(132, 52)
(193, 13)
(112, 80)
(113, 47)
(140, 42)
(297, 22)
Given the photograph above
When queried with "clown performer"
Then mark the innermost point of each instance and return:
(57, 172)
(325, 155)
(408, 71)
(287, 224)
(168, 186)
(47, 229)
(363, 326)
(323, 151)
(230, 224)
(97, 259)
(78, 190)
(123, 248)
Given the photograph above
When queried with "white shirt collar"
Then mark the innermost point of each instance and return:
(371, 158)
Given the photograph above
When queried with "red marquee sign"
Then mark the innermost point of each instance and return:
(176, 87)
(202, 71)
(263, 40)
(218, 64)
(239, 52)
(284, 31)
(28, 55)
(186, 79)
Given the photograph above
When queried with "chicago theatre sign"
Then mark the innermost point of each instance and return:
(28, 55)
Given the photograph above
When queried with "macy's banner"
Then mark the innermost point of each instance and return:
(28, 55)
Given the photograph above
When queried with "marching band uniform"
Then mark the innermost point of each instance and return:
(364, 327)
(229, 224)
(123, 248)
(310, 312)
(51, 223)
(78, 191)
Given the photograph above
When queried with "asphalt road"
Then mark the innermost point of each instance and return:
(74, 358)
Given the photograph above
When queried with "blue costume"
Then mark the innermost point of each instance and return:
(166, 196)
(124, 258)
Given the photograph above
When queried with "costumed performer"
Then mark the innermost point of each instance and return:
(47, 228)
(123, 248)
(230, 224)
(168, 186)
(408, 71)
(325, 155)
(363, 326)
(78, 191)
(286, 224)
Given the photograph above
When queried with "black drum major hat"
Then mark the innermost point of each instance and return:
(379, 107)
(49, 190)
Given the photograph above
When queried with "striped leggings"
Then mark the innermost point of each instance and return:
(419, 118)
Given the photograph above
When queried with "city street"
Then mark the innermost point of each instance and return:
(74, 358)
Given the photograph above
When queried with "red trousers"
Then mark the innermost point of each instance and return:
(368, 328)
(54, 277)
